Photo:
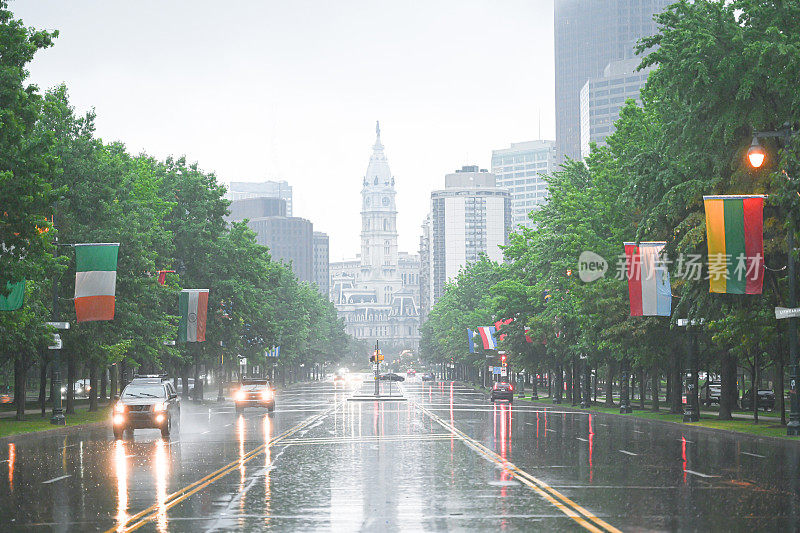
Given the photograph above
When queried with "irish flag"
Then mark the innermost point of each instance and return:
(648, 280)
(95, 281)
(193, 306)
(734, 228)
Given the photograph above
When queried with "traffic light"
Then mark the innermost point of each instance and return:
(376, 357)
(372, 358)
(503, 359)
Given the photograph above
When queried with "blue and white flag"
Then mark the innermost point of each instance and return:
(274, 352)
(470, 340)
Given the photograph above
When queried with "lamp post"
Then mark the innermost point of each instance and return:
(691, 410)
(756, 155)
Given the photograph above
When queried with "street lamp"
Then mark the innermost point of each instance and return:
(756, 156)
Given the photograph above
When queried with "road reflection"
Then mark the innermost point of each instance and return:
(267, 468)
(121, 471)
(240, 426)
(161, 473)
(12, 457)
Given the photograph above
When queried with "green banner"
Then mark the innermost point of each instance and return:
(14, 300)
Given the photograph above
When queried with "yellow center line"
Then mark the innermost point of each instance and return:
(566, 505)
(181, 494)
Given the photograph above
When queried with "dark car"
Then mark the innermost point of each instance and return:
(502, 391)
(391, 376)
(147, 402)
(766, 400)
(254, 393)
(710, 392)
(428, 376)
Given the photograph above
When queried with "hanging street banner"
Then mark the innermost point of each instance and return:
(95, 281)
(16, 297)
(193, 307)
(785, 312)
(735, 231)
(649, 289)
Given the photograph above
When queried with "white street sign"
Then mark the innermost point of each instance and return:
(683, 322)
(243, 361)
(784, 312)
(55, 344)
(58, 325)
(504, 371)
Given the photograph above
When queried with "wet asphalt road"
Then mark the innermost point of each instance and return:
(445, 459)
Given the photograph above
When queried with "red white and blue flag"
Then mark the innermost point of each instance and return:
(486, 334)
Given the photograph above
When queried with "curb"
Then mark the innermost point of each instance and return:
(66, 430)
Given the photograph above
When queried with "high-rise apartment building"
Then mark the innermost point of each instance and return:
(469, 217)
(289, 239)
(590, 34)
(520, 169)
(239, 190)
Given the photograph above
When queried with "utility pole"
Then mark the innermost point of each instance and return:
(58, 412)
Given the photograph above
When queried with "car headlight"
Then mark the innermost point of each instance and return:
(267, 394)
(239, 395)
(119, 408)
(118, 419)
(159, 407)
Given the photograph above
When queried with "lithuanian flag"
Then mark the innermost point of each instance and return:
(95, 281)
(734, 227)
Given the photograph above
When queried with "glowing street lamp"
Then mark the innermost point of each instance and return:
(756, 154)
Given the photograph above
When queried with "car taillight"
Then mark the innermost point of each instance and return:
(511, 387)
(495, 386)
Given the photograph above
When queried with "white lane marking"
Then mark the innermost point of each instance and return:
(582, 439)
(637, 431)
(698, 473)
(55, 479)
(626, 452)
(754, 455)
(551, 430)
(5, 460)
(687, 441)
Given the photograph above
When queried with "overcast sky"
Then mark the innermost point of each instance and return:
(256, 90)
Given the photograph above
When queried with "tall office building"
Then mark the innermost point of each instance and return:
(602, 98)
(289, 239)
(250, 208)
(590, 34)
(469, 217)
(376, 293)
(519, 169)
(239, 190)
(322, 262)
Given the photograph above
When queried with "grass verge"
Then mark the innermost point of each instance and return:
(32, 423)
(763, 429)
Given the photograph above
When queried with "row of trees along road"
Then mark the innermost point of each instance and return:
(724, 69)
(59, 182)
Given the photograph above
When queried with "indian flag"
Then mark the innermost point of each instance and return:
(649, 288)
(193, 306)
(734, 228)
(95, 281)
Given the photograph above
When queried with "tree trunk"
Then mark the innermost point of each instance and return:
(114, 391)
(727, 400)
(654, 387)
(70, 408)
(103, 383)
(19, 384)
(610, 385)
(779, 393)
(675, 404)
(93, 385)
(43, 385)
(642, 388)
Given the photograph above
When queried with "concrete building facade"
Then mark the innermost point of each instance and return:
(469, 217)
(520, 169)
(239, 190)
(322, 262)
